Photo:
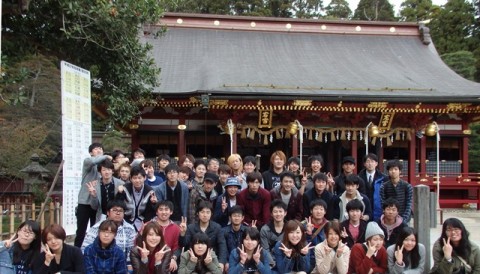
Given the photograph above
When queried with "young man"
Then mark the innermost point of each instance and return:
(103, 190)
(373, 179)
(162, 160)
(255, 201)
(398, 189)
(233, 232)
(203, 192)
(288, 193)
(85, 213)
(226, 202)
(224, 172)
(339, 203)
(138, 157)
(140, 199)
(319, 191)
(353, 229)
(212, 165)
(124, 172)
(125, 233)
(151, 179)
(314, 226)
(390, 222)
(271, 233)
(348, 167)
(174, 191)
(271, 177)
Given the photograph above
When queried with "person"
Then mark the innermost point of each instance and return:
(293, 166)
(174, 191)
(353, 229)
(187, 160)
(84, 212)
(399, 189)
(140, 199)
(125, 231)
(314, 225)
(58, 257)
(151, 255)
(249, 166)
(118, 159)
(271, 177)
(331, 255)
(212, 165)
(103, 255)
(150, 179)
(255, 201)
(373, 179)
(224, 172)
(200, 258)
(453, 252)
(233, 233)
(348, 168)
(292, 253)
(316, 164)
(124, 173)
(19, 253)
(184, 174)
(162, 161)
(103, 190)
(390, 222)
(138, 157)
(200, 168)
(339, 203)
(249, 256)
(207, 226)
(319, 191)
(271, 233)
(370, 256)
(226, 201)
(234, 161)
(202, 192)
(406, 255)
(289, 194)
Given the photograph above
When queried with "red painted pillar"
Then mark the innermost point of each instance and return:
(181, 144)
(464, 147)
(354, 149)
(294, 141)
(423, 155)
(412, 160)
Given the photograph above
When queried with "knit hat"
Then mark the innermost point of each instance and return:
(372, 230)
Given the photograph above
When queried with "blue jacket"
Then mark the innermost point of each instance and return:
(286, 265)
(220, 217)
(6, 256)
(161, 193)
(263, 266)
(232, 238)
(105, 261)
(373, 191)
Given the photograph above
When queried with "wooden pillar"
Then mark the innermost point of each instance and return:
(135, 142)
(412, 162)
(234, 138)
(379, 153)
(464, 149)
(423, 155)
(354, 144)
(294, 144)
(181, 144)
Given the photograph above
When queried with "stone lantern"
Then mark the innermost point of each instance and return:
(35, 173)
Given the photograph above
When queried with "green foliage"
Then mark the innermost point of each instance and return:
(415, 10)
(374, 10)
(474, 148)
(462, 62)
(113, 140)
(308, 8)
(338, 9)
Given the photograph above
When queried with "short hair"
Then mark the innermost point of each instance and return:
(286, 174)
(94, 146)
(140, 150)
(105, 225)
(182, 159)
(212, 160)
(232, 158)
(277, 203)
(252, 176)
(354, 204)
(390, 202)
(201, 205)
(163, 157)
(235, 209)
(332, 225)
(116, 153)
(370, 156)
(116, 203)
(249, 159)
(293, 159)
(105, 164)
(166, 203)
(56, 230)
(138, 170)
(147, 163)
(315, 158)
(199, 162)
(318, 202)
(253, 233)
(223, 168)
(184, 169)
(352, 179)
(127, 165)
(394, 163)
(280, 154)
(320, 176)
(171, 167)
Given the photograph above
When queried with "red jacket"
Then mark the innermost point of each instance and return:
(255, 207)
(361, 264)
(295, 204)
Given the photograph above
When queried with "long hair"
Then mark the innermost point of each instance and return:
(464, 248)
(335, 227)
(291, 226)
(143, 236)
(414, 254)
(34, 249)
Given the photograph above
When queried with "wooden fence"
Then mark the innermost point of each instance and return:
(14, 214)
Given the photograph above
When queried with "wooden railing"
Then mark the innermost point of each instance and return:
(14, 214)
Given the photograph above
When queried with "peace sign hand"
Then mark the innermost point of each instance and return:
(340, 248)
(144, 252)
(371, 249)
(193, 258)
(254, 223)
(286, 251)
(91, 188)
(256, 256)
(309, 226)
(344, 233)
(447, 249)
(399, 255)
(304, 177)
(305, 250)
(153, 198)
(243, 254)
(8, 243)
(183, 226)
(224, 203)
(48, 255)
(208, 259)
(161, 253)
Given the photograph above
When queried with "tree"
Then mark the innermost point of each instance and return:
(474, 148)
(338, 9)
(415, 10)
(374, 10)
(462, 62)
(307, 8)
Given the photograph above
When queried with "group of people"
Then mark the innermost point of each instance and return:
(207, 217)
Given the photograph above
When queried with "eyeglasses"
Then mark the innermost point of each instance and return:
(451, 230)
(116, 210)
(26, 232)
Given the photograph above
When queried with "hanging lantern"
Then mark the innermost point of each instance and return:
(292, 128)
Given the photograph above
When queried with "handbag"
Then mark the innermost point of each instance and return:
(465, 266)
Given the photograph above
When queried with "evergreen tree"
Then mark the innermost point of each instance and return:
(338, 9)
(415, 10)
(462, 62)
(474, 148)
(308, 8)
(374, 10)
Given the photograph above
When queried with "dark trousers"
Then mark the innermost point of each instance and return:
(85, 213)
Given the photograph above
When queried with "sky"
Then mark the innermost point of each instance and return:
(396, 4)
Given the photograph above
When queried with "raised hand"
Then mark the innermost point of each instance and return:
(153, 198)
(306, 248)
(256, 256)
(243, 254)
(330, 181)
(286, 251)
(120, 188)
(327, 249)
(193, 258)
(399, 255)
(48, 256)
(309, 226)
(254, 223)
(8, 243)
(447, 248)
(183, 226)
(144, 252)
(224, 203)
(344, 233)
(371, 249)
(208, 259)
(161, 253)
(304, 177)
(340, 248)
(91, 188)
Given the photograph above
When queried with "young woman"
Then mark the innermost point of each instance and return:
(200, 258)
(331, 255)
(18, 254)
(453, 252)
(58, 256)
(152, 255)
(249, 256)
(406, 255)
(104, 256)
(371, 256)
(292, 254)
